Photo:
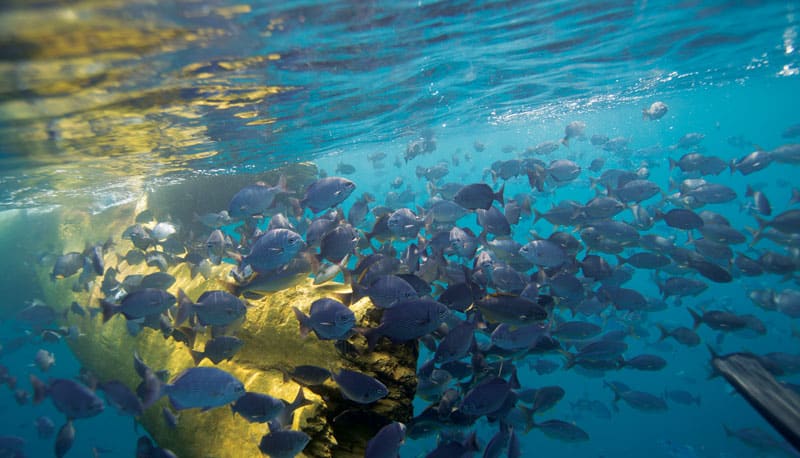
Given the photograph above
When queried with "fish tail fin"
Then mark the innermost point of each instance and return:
(753, 233)
(282, 183)
(108, 309)
(664, 332)
(314, 259)
(359, 291)
(621, 260)
(471, 443)
(345, 298)
(498, 196)
(39, 389)
(428, 218)
(300, 400)
(430, 187)
(713, 352)
(185, 308)
(537, 216)
(283, 371)
(748, 192)
(795, 198)
(672, 164)
(527, 413)
(190, 334)
(570, 359)
(197, 356)
(531, 178)
(762, 224)
(728, 431)
(526, 206)
(565, 141)
(698, 320)
(303, 319)
(371, 334)
(698, 400)
(732, 166)
(613, 388)
(661, 289)
(286, 417)
(672, 184)
(297, 206)
(514, 380)
(286, 375)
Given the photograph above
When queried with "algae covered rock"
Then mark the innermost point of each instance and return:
(272, 346)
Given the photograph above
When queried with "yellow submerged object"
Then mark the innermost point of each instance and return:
(272, 341)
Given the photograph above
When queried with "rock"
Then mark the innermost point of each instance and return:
(271, 333)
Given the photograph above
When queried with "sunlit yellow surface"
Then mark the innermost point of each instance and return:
(91, 97)
(271, 336)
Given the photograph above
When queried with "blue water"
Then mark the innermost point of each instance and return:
(351, 79)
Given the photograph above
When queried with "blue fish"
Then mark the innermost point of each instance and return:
(358, 387)
(139, 304)
(258, 407)
(283, 443)
(204, 388)
(71, 398)
(329, 319)
(64, 439)
(255, 199)
(327, 193)
(263, 408)
(122, 398)
(273, 250)
(386, 443)
(215, 308)
(408, 320)
(486, 398)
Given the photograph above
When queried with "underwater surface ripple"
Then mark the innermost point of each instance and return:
(171, 89)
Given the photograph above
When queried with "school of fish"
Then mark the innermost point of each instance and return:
(488, 284)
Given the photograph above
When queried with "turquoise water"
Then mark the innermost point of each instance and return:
(353, 79)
